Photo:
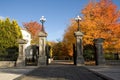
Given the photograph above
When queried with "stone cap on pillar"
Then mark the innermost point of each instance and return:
(78, 33)
(99, 40)
(42, 34)
(22, 41)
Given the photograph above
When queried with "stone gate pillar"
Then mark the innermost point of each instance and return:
(42, 49)
(99, 57)
(21, 56)
(79, 48)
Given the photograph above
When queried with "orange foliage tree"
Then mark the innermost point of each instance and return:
(69, 38)
(34, 28)
(100, 20)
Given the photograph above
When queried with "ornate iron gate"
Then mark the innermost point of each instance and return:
(32, 55)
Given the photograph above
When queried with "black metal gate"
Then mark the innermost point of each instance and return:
(74, 54)
(32, 55)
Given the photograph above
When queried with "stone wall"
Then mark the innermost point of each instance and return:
(6, 64)
(112, 62)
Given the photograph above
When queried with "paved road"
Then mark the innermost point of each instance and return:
(60, 72)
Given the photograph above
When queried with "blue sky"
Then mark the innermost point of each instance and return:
(57, 12)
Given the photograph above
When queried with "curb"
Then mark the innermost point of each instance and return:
(100, 75)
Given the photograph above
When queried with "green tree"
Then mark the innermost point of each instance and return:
(89, 52)
(9, 34)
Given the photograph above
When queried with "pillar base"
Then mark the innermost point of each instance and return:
(101, 60)
(99, 57)
(42, 61)
(20, 62)
(80, 61)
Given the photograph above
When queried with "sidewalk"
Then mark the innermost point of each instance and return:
(109, 71)
(12, 73)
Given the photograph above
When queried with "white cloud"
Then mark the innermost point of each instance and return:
(1, 17)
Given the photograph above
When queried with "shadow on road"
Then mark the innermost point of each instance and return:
(60, 72)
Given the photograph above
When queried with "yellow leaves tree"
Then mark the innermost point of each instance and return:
(100, 20)
(69, 38)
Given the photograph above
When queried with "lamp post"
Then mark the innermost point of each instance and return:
(79, 47)
(78, 19)
(42, 20)
(42, 44)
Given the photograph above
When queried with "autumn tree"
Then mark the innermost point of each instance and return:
(34, 28)
(51, 44)
(69, 38)
(59, 50)
(100, 20)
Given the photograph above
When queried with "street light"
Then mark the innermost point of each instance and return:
(42, 20)
(78, 19)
